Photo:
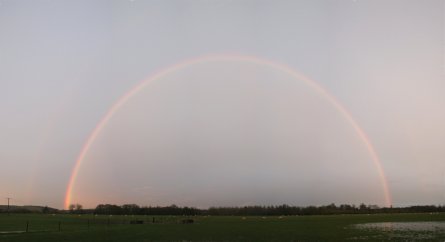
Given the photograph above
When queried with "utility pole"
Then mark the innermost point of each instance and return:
(8, 198)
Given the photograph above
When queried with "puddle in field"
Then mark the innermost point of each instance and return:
(404, 230)
(22, 231)
(12, 232)
(404, 226)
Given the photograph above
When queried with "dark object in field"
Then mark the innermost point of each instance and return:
(187, 221)
(136, 221)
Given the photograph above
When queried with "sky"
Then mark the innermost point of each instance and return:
(222, 132)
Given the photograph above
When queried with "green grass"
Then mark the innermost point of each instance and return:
(213, 228)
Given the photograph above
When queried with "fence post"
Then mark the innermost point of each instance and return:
(108, 222)
(88, 224)
(59, 225)
(27, 226)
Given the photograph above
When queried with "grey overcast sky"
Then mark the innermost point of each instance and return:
(221, 133)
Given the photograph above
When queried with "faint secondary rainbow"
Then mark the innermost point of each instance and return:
(227, 57)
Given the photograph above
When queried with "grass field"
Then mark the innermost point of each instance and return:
(213, 228)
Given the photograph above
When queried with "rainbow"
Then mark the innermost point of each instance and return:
(227, 57)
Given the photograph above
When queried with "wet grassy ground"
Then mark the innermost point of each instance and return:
(213, 228)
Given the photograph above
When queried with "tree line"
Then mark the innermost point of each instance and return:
(133, 209)
(280, 210)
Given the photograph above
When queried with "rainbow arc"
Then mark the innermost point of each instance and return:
(120, 103)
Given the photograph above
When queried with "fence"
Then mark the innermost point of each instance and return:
(23, 223)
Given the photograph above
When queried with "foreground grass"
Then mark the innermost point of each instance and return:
(214, 228)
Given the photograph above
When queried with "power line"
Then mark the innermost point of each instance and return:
(8, 198)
